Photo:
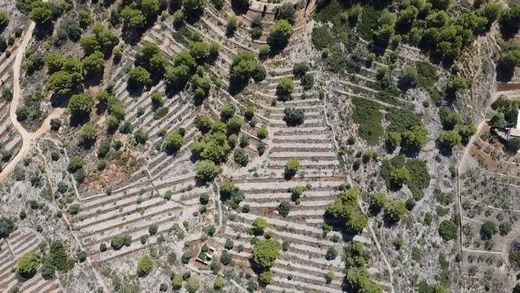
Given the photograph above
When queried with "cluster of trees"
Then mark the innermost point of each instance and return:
(102, 40)
(399, 170)
(264, 255)
(356, 261)
(65, 74)
(300, 71)
(57, 259)
(187, 66)
(117, 242)
(394, 210)
(345, 210)
(454, 131)
(426, 24)
(75, 167)
(114, 107)
(42, 12)
(506, 112)
(243, 68)
(220, 137)
(231, 194)
(136, 15)
(413, 139)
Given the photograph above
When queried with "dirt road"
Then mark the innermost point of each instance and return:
(27, 137)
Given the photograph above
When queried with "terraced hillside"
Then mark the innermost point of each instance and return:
(260, 146)
(18, 244)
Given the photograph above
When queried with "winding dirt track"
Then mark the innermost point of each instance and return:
(27, 137)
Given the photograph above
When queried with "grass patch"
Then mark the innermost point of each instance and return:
(367, 116)
(420, 179)
(402, 120)
(160, 113)
(427, 74)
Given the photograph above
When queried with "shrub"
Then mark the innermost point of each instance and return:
(232, 24)
(240, 157)
(259, 226)
(229, 244)
(152, 229)
(300, 69)
(74, 165)
(185, 258)
(74, 209)
(307, 81)
(504, 228)
(487, 230)
(225, 258)
(292, 166)
(284, 88)
(219, 283)
(144, 266)
(192, 285)
(331, 253)
(283, 208)
(395, 210)
(450, 138)
(329, 277)
(6, 227)
(448, 230)
(27, 265)
(87, 133)
(117, 242)
(265, 278)
(367, 116)
(293, 117)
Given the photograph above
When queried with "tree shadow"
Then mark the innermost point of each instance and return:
(236, 86)
(444, 150)
(43, 30)
(240, 7)
(409, 152)
(59, 101)
(505, 71)
(93, 79)
(78, 120)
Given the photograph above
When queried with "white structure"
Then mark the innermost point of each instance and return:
(515, 132)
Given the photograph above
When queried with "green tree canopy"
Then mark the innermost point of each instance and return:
(173, 142)
(27, 265)
(81, 104)
(265, 253)
(280, 34)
